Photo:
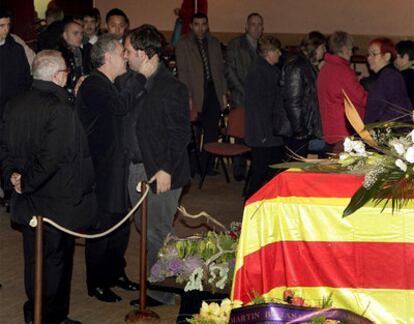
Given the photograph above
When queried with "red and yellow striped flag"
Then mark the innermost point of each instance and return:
(293, 235)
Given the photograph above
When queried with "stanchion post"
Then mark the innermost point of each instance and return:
(142, 315)
(38, 272)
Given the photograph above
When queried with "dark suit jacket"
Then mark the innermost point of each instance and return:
(191, 72)
(42, 139)
(101, 108)
(163, 127)
(239, 57)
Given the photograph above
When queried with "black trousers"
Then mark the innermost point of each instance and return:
(209, 120)
(262, 157)
(104, 256)
(57, 272)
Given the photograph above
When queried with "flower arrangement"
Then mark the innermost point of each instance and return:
(198, 260)
(213, 313)
(388, 167)
(388, 170)
(293, 308)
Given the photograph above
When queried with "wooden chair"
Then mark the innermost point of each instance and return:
(221, 150)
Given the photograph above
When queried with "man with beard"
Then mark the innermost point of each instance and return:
(162, 134)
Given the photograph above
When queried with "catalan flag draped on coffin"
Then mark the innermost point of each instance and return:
(294, 236)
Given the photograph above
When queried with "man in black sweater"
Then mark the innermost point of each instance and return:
(162, 134)
(102, 107)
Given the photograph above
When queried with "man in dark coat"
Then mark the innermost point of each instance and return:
(14, 68)
(201, 68)
(73, 54)
(163, 133)
(241, 53)
(50, 37)
(47, 163)
(102, 107)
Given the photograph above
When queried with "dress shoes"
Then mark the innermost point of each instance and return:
(151, 302)
(124, 283)
(67, 320)
(104, 294)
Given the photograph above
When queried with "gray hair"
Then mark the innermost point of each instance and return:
(338, 40)
(46, 64)
(105, 44)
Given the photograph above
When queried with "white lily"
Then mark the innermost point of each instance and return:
(399, 163)
(399, 148)
(409, 155)
(411, 134)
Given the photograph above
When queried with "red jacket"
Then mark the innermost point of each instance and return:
(336, 75)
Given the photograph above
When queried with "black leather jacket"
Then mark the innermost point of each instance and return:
(300, 97)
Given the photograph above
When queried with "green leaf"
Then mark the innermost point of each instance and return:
(361, 197)
(388, 124)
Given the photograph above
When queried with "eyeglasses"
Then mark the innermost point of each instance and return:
(374, 54)
(67, 70)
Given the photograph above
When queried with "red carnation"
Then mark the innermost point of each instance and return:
(287, 295)
(298, 301)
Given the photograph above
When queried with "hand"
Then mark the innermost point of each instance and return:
(163, 180)
(225, 101)
(15, 179)
(78, 84)
(149, 66)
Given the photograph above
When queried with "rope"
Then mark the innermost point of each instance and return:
(33, 221)
(183, 211)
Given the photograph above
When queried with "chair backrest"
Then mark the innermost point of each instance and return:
(235, 124)
(193, 112)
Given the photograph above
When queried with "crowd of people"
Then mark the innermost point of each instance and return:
(96, 111)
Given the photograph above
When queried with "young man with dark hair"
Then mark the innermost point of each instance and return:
(90, 22)
(14, 71)
(405, 63)
(201, 69)
(117, 23)
(14, 67)
(71, 47)
(162, 135)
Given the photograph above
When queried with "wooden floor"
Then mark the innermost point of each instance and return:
(218, 198)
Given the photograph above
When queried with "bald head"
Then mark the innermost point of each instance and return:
(72, 34)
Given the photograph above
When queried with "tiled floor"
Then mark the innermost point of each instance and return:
(218, 198)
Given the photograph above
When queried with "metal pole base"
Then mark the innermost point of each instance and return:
(142, 316)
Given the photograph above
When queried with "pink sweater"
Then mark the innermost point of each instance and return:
(336, 75)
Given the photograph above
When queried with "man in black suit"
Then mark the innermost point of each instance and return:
(45, 159)
(162, 133)
(102, 107)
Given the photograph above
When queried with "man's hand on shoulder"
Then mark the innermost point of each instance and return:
(163, 181)
(78, 84)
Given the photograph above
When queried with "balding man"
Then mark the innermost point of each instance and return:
(47, 163)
